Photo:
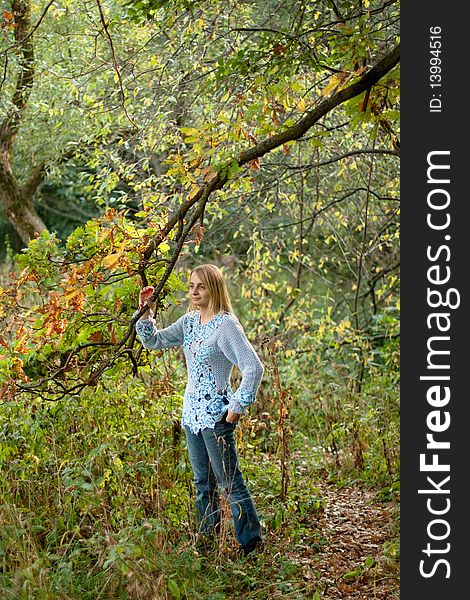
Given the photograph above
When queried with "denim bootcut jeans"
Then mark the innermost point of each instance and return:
(214, 461)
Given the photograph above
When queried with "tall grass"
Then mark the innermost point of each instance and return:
(97, 500)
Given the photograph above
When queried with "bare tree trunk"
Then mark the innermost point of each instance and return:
(15, 200)
(18, 207)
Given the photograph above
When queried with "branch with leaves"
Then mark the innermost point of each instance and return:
(68, 282)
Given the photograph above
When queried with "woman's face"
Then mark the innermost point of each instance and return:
(198, 292)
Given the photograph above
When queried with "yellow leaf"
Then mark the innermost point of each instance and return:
(331, 85)
(301, 105)
(109, 262)
(104, 234)
(193, 191)
(72, 294)
(190, 132)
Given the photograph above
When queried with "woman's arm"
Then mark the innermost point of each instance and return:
(235, 345)
(154, 339)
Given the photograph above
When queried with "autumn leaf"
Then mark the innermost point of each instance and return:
(365, 101)
(250, 137)
(208, 173)
(163, 247)
(112, 260)
(335, 82)
(279, 49)
(72, 294)
(190, 131)
(331, 85)
(104, 234)
(96, 337)
(193, 192)
(199, 231)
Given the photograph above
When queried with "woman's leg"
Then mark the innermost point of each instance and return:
(205, 482)
(221, 449)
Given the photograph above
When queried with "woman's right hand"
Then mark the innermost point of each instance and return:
(144, 296)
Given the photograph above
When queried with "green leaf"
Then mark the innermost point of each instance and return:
(233, 169)
(174, 589)
(369, 562)
(350, 575)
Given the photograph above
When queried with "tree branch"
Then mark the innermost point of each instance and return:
(39, 172)
(386, 64)
(339, 157)
(25, 38)
(201, 197)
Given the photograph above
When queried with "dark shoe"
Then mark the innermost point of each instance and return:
(254, 547)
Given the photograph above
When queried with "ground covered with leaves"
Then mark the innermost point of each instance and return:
(358, 559)
(343, 548)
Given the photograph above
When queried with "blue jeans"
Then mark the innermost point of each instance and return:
(214, 461)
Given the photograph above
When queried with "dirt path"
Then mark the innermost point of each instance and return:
(348, 558)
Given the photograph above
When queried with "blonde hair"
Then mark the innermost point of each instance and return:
(213, 278)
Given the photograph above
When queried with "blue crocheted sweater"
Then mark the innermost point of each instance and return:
(211, 349)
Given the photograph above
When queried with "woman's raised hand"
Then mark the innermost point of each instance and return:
(144, 297)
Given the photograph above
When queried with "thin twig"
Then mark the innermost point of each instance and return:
(115, 65)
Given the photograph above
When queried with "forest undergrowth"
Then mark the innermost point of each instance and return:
(96, 502)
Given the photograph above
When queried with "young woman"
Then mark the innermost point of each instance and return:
(213, 341)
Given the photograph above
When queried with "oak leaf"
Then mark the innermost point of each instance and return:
(112, 260)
